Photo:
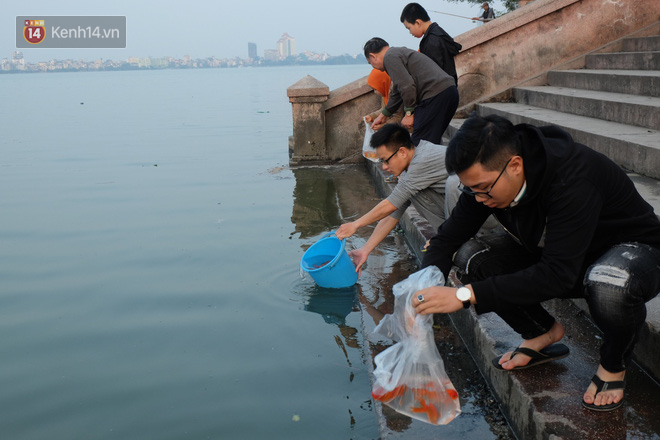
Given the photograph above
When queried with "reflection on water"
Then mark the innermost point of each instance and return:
(334, 305)
(325, 197)
(315, 208)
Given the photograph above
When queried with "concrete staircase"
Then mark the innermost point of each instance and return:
(613, 106)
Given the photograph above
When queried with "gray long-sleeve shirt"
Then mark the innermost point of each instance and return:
(415, 76)
(423, 184)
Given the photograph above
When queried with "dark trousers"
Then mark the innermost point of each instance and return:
(616, 286)
(433, 115)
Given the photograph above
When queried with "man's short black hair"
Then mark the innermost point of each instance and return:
(374, 45)
(488, 140)
(393, 136)
(413, 12)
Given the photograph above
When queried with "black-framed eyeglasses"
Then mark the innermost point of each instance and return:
(387, 161)
(467, 190)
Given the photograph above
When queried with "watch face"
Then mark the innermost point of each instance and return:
(463, 293)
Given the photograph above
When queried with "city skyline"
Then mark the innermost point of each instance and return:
(204, 28)
(18, 64)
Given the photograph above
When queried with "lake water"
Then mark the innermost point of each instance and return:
(150, 241)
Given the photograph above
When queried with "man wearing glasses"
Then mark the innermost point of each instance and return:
(422, 176)
(575, 227)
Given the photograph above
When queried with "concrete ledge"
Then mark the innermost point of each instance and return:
(515, 19)
(348, 92)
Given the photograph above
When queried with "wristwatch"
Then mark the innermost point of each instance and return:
(409, 113)
(464, 294)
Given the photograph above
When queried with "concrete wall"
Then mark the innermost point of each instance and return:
(523, 45)
(328, 126)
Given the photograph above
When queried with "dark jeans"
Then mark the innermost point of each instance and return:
(433, 115)
(616, 286)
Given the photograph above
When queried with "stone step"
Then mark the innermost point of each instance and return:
(545, 402)
(642, 44)
(624, 60)
(635, 149)
(634, 82)
(642, 111)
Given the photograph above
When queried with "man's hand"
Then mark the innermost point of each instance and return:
(377, 127)
(408, 121)
(346, 230)
(437, 300)
(379, 121)
(359, 257)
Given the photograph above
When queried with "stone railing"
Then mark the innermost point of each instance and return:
(327, 125)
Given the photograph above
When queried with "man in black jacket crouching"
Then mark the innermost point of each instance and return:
(575, 227)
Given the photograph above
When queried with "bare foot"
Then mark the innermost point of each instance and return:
(605, 397)
(554, 335)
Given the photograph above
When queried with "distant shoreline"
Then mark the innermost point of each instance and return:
(171, 63)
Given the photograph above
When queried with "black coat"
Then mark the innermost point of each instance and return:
(441, 48)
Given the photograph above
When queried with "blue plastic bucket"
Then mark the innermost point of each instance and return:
(328, 263)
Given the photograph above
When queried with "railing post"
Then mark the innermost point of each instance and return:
(307, 97)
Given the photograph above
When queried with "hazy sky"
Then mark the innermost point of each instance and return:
(222, 28)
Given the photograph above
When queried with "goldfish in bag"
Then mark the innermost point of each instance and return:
(410, 375)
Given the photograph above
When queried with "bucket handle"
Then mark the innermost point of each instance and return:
(343, 243)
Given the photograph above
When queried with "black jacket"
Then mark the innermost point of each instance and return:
(578, 204)
(441, 48)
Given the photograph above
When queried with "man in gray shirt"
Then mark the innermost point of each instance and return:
(422, 176)
(428, 94)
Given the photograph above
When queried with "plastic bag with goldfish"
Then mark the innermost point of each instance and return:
(410, 375)
(367, 151)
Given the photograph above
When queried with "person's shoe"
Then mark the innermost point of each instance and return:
(550, 353)
(601, 385)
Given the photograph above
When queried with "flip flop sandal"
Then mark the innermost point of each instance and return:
(601, 385)
(550, 353)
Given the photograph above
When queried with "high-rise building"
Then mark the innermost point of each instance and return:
(271, 55)
(286, 46)
(252, 51)
(17, 57)
(17, 60)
